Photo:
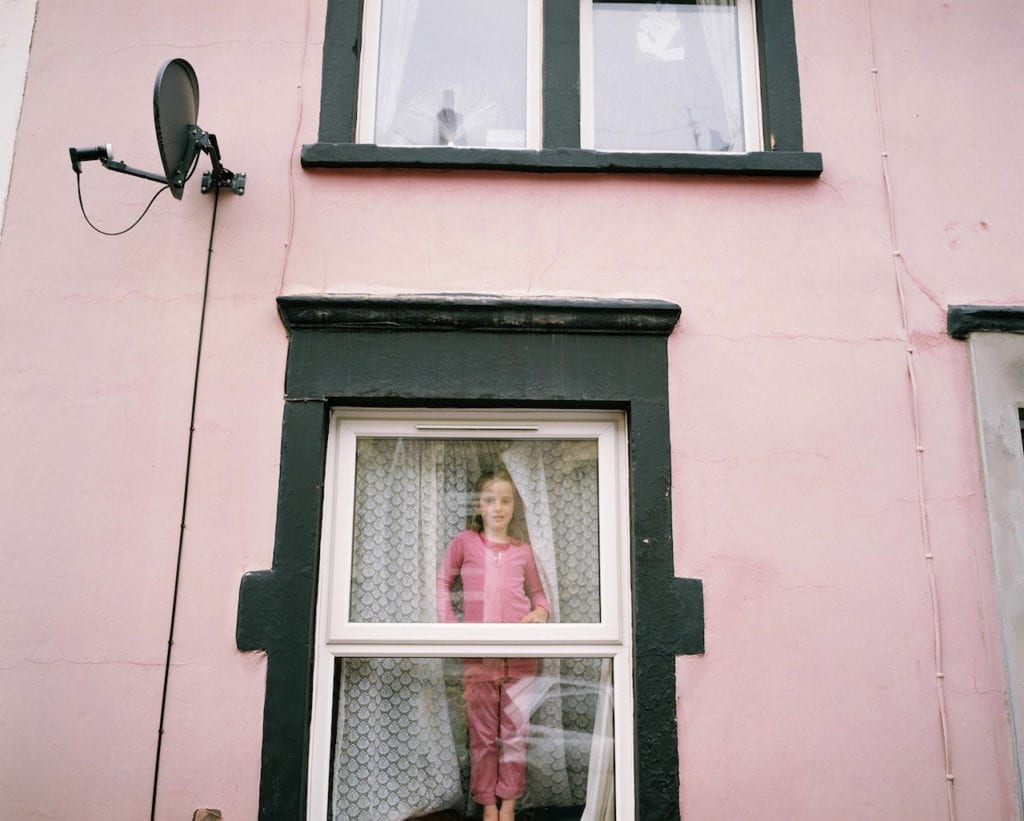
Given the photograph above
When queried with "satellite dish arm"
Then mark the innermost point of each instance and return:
(198, 140)
(120, 167)
(105, 154)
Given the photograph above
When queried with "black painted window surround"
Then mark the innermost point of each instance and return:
(471, 352)
(784, 153)
(963, 320)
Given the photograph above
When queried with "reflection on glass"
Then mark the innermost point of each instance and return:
(452, 72)
(406, 746)
(418, 519)
(667, 77)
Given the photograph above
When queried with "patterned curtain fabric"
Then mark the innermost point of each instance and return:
(401, 742)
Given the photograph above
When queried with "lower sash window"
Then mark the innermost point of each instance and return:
(421, 736)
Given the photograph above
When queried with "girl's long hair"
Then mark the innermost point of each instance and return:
(517, 530)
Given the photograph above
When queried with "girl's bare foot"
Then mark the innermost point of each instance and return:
(491, 812)
(508, 810)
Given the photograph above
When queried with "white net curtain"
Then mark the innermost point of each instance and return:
(452, 72)
(667, 76)
(400, 748)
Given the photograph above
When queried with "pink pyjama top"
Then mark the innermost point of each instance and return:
(500, 582)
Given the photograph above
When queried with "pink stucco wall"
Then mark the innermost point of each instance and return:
(796, 483)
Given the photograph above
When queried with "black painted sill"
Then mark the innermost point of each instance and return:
(560, 160)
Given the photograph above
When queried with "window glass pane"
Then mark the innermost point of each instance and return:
(414, 736)
(452, 72)
(426, 547)
(667, 76)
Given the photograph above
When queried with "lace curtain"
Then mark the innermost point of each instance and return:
(400, 746)
(396, 29)
(718, 18)
(666, 76)
(452, 72)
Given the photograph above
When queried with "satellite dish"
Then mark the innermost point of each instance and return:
(175, 108)
(179, 138)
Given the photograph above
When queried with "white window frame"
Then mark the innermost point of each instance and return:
(366, 104)
(338, 637)
(750, 80)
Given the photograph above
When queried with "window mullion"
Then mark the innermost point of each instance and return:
(561, 74)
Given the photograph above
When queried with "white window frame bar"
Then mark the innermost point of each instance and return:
(750, 80)
(750, 76)
(614, 644)
(587, 74)
(369, 58)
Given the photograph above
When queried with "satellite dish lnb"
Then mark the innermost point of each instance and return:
(179, 138)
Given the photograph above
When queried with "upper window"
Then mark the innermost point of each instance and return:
(685, 85)
(677, 76)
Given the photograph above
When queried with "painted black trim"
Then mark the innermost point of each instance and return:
(559, 160)
(339, 88)
(561, 152)
(963, 320)
(276, 613)
(480, 313)
(339, 354)
(560, 88)
(780, 80)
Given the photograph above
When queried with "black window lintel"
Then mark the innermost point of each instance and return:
(963, 320)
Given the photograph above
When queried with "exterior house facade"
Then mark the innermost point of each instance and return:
(728, 290)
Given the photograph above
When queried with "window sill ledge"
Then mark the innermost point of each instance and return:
(560, 160)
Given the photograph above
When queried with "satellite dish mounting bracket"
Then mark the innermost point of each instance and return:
(219, 176)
